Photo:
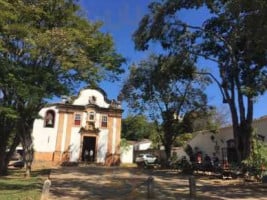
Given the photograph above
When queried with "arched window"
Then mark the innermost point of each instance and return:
(49, 118)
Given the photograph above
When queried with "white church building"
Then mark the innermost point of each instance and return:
(67, 131)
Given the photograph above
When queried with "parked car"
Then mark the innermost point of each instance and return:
(17, 159)
(17, 164)
(146, 158)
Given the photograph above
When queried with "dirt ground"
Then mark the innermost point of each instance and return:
(110, 183)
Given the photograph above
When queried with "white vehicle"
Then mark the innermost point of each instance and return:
(146, 158)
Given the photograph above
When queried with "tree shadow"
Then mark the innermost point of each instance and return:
(41, 173)
(130, 183)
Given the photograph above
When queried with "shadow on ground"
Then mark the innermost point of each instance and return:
(98, 182)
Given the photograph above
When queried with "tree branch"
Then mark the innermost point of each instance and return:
(217, 82)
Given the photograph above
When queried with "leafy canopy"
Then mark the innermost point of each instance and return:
(154, 88)
(233, 36)
(137, 128)
(165, 95)
(47, 48)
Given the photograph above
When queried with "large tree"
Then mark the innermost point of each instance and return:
(47, 48)
(233, 36)
(153, 89)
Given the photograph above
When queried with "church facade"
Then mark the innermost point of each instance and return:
(85, 128)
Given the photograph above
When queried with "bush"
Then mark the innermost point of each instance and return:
(256, 163)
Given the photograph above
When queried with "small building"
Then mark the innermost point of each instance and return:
(86, 127)
(143, 145)
(127, 153)
(222, 143)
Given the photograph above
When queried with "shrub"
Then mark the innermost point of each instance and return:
(256, 163)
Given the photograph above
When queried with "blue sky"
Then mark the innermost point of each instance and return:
(121, 18)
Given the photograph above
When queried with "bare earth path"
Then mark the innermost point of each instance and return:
(110, 183)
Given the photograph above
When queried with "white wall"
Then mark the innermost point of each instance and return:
(180, 153)
(206, 145)
(260, 127)
(203, 142)
(75, 142)
(127, 154)
(102, 146)
(44, 138)
(83, 98)
(143, 145)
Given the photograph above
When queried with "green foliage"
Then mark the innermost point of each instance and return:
(199, 120)
(9, 113)
(137, 128)
(165, 95)
(182, 140)
(47, 48)
(124, 145)
(233, 36)
(52, 37)
(257, 160)
(155, 136)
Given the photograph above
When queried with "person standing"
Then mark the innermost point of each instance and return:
(86, 155)
(91, 155)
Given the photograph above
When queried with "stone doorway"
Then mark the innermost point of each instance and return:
(88, 149)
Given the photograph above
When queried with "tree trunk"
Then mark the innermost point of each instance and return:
(168, 138)
(168, 151)
(28, 161)
(25, 131)
(242, 131)
(241, 110)
(3, 149)
(243, 135)
(3, 164)
(236, 135)
(5, 155)
(6, 135)
(245, 138)
(28, 154)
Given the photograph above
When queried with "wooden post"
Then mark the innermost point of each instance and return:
(150, 187)
(45, 191)
(192, 187)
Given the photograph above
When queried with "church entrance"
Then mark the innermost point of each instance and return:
(88, 149)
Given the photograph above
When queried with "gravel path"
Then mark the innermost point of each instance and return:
(110, 183)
